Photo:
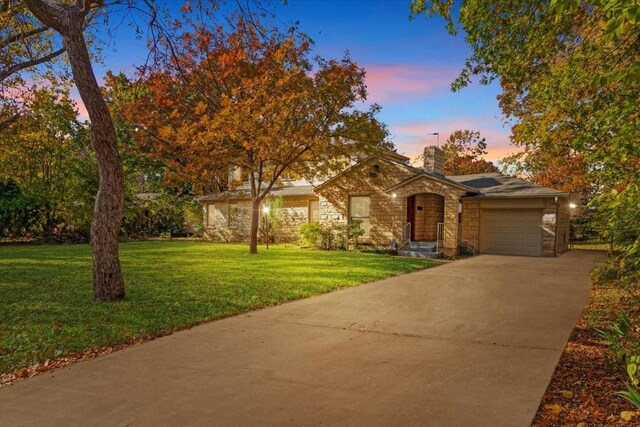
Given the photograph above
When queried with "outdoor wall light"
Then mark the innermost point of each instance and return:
(572, 206)
(266, 209)
(394, 195)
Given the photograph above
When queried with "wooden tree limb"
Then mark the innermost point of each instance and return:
(21, 36)
(5, 124)
(50, 14)
(8, 72)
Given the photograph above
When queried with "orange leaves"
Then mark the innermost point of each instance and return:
(250, 99)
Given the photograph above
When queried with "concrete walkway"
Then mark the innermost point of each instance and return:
(469, 343)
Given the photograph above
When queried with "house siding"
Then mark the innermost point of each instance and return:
(387, 214)
(233, 220)
(470, 223)
(389, 184)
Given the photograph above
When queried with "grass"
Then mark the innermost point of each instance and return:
(47, 310)
(591, 246)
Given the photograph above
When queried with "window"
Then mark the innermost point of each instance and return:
(232, 213)
(314, 211)
(359, 210)
(211, 214)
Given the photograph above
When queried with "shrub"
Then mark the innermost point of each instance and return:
(331, 237)
(20, 214)
(311, 235)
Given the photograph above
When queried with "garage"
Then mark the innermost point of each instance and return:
(511, 232)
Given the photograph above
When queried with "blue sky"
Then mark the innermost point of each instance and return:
(410, 65)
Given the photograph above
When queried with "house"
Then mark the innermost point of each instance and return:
(419, 208)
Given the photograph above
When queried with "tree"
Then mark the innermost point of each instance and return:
(252, 99)
(38, 23)
(39, 152)
(25, 44)
(570, 78)
(463, 151)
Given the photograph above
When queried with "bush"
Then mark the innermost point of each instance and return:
(20, 214)
(332, 237)
(311, 235)
(161, 215)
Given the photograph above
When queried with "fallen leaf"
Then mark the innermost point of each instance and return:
(626, 415)
(555, 409)
(581, 424)
(567, 394)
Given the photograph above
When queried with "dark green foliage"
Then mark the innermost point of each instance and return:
(20, 214)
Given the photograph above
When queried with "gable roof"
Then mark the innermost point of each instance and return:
(496, 185)
(425, 174)
(390, 156)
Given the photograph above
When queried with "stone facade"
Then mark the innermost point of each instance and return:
(470, 224)
(391, 187)
(371, 178)
(377, 178)
(230, 221)
(434, 160)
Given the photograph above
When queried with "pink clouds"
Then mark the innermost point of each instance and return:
(83, 114)
(397, 83)
(411, 138)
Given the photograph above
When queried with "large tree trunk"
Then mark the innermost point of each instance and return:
(255, 223)
(108, 282)
(69, 19)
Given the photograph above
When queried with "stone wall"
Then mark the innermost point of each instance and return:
(293, 214)
(231, 221)
(470, 223)
(388, 212)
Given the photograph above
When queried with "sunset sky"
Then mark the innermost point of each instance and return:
(410, 65)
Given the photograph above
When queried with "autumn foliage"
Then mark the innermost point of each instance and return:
(251, 99)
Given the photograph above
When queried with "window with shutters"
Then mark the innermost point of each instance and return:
(359, 210)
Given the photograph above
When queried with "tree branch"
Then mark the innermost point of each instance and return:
(16, 37)
(5, 124)
(7, 72)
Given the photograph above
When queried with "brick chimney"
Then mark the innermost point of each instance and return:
(434, 160)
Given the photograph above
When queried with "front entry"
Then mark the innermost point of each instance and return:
(424, 212)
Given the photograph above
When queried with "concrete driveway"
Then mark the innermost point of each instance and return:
(469, 343)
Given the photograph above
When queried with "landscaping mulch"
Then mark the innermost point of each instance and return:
(581, 391)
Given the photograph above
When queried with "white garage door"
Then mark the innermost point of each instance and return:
(511, 232)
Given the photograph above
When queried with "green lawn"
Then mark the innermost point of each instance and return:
(47, 311)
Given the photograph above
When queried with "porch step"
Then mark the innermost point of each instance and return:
(421, 246)
(407, 252)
